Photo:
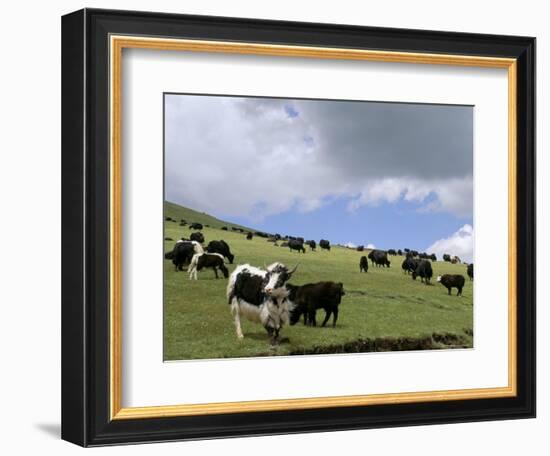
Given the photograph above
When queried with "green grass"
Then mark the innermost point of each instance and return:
(384, 303)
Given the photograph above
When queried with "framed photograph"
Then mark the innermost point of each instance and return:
(273, 227)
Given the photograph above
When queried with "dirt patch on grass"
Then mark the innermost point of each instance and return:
(385, 344)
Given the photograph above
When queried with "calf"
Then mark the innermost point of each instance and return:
(222, 248)
(363, 264)
(260, 296)
(452, 281)
(207, 260)
(312, 245)
(424, 271)
(306, 299)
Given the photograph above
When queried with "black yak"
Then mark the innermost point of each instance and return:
(470, 271)
(182, 253)
(363, 264)
(324, 244)
(379, 258)
(424, 271)
(409, 265)
(452, 281)
(196, 236)
(222, 248)
(306, 299)
(295, 244)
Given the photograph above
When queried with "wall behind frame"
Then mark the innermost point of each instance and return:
(30, 193)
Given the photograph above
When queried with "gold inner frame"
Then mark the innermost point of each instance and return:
(117, 44)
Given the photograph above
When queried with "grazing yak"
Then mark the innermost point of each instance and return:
(249, 236)
(196, 236)
(452, 281)
(400, 252)
(306, 299)
(222, 248)
(379, 258)
(470, 271)
(392, 252)
(224, 228)
(260, 296)
(363, 264)
(324, 244)
(409, 265)
(312, 245)
(446, 257)
(182, 253)
(424, 271)
(195, 226)
(295, 244)
(433, 257)
(455, 260)
(360, 248)
(207, 260)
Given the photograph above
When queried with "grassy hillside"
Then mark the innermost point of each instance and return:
(383, 309)
(178, 212)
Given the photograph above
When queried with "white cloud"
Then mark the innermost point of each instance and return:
(371, 246)
(257, 157)
(350, 245)
(460, 243)
(454, 195)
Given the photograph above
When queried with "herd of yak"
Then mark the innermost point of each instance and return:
(265, 295)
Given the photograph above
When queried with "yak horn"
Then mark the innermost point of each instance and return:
(294, 270)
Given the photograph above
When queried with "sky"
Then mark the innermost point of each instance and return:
(389, 175)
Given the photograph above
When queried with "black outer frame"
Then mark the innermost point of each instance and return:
(85, 227)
